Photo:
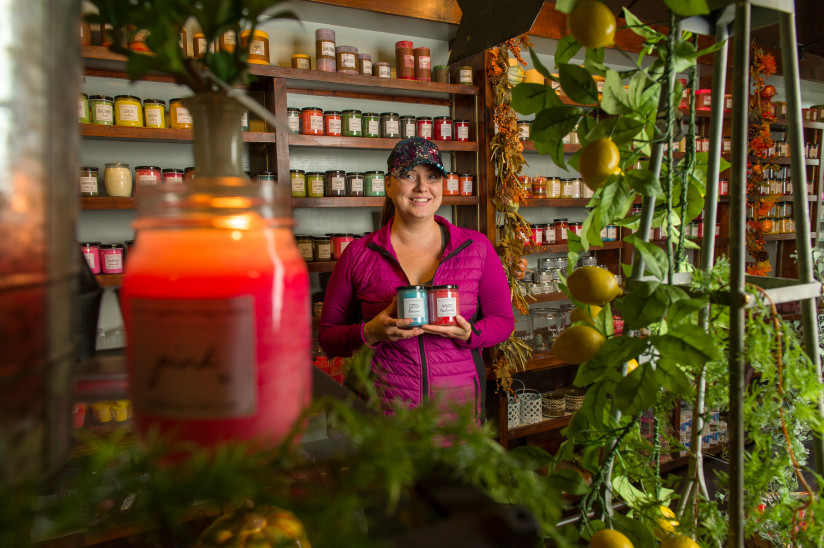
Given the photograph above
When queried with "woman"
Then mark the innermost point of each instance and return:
(415, 246)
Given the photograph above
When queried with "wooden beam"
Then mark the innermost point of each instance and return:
(444, 11)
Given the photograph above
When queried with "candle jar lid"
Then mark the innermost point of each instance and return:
(116, 164)
(90, 244)
(100, 98)
(111, 246)
(410, 287)
(159, 102)
(153, 168)
(446, 286)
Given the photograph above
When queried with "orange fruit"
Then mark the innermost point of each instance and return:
(599, 159)
(610, 538)
(592, 24)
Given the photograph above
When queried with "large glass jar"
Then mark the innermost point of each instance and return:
(546, 325)
(523, 329)
(118, 179)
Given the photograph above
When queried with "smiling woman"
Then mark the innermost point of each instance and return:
(412, 365)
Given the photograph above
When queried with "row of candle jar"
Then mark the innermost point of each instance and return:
(100, 412)
(781, 209)
(118, 179)
(524, 133)
(433, 305)
(778, 225)
(324, 248)
(556, 233)
(337, 183)
(106, 258)
(554, 187)
(389, 125)
(129, 111)
(544, 282)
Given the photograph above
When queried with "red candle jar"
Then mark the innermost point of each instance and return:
(404, 60)
(703, 99)
(423, 68)
(331, 123)
(577, 228)
(451, 184)
(148, 175)
(79, 414)
(537, 237)
(111, 258)
(465, 184)
(461, 130)
(339, 243)
(443, 304)
(173, 176)
(443, 128)
(723, 187)
(561, 228)
(91, 252)
(423, 127)
(311, 121)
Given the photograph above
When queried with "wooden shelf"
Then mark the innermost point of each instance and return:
(370, 201)
(373, 143)
(123, 133)
(776, 122)
(546, 425)
(326, 266)
(109, 280)
(540, 361)
(781, 161)
(563, 248)
(783, 198)
(779, 237)
(107, 202)
(557, 202)
(529, 146)
(550, 297)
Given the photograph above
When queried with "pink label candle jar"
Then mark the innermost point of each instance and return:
(443, 304)
(111, 258)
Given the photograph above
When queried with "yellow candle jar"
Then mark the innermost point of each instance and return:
(154, 113)
(258, 48)
(128, 111)
(179, 116)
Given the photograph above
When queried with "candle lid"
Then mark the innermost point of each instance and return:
(408, 287)
(446, 286)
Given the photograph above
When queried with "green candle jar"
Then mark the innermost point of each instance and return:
(352, 126)
(83, 110)
(298, 179)
(314, 184)
(371, 124)
(374, 183)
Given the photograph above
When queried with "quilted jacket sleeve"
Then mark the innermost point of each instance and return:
(340, 333)
(496, 321)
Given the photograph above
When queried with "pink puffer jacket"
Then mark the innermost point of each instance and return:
(428, 367)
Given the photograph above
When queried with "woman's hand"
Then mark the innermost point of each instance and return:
(462, 331)
(384, 327)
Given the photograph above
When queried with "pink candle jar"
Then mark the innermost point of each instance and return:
(111, 258)
(703, 99)
(461, 130)
(91, 252)
(443, 304)
(537, 237)
(339, 243)
(148, 176)
(173, 176)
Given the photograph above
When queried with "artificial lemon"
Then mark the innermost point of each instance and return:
(592, 24)
(264, 527)
(577, 344)
(666, 523)
(632, 365)
(610, 538)
(581, 315)
(679, 541)
(593, 285)
(599, 159)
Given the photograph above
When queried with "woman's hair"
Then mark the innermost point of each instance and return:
(388, 207)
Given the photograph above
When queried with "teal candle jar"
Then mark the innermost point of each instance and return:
(314, 184)
(371, 124)
(412, 305)
(374, 182)
(297, 177)
(352, 123)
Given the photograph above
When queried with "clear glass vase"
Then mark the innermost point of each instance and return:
(215, 300)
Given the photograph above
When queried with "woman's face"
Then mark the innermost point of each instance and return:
(418, 194)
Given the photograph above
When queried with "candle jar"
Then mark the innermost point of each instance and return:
(199, 45)
(117, 178)
(461, 130)
(371, 124)
(381, 70)
(173, 176)
(523, 130)
(188, 174)
(354, 184)
(301, 61)
(374, 181)
(266, 177)
(314, 184)
(443, 128)
(297, 178)
(128, 111)
(293, 119)
(216, 299)
(332, 123)
(561, 228)
(305, 248)
(404, 60)
(154, 113)
(347, 59)
(365, 64)
(423, 64)
(451, 185)
(339, 243)
(258, 46)
(465, 75)
(423, 127)
(352, 123)
(465, 184)
(91, 252)
(147, 176)
(441, 74)
(335, 183)
(111, 258)
(179, 116)
(553, 188)
(412, 305)
(101, 108)
(390, 125)
(537, 235)
(539, 187)
(444, 304)
(325, 50)
(88, 181)
(83, 115)
(408, 127)
(322, 248)
(311, 121)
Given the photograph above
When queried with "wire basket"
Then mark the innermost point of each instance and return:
(513, 411)
(574, 399)
(530, 401)
(553, 405)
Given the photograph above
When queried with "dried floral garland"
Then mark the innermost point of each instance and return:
(761, 146)
(507, 155)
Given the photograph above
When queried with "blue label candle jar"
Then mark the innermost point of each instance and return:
(412, 305)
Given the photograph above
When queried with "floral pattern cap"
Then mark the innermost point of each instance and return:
(412, 152)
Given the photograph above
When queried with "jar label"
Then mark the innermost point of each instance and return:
(523, 132)
(409, 129)
(294, 124)
(81, 113)
(305, 250)
(550, 236)
(556, 188)
(147, 180)
(88, 184)
(302, 63)
(423, 62)
(154, 117)
(316, 123)
(354, 125)
(201, 46)
(183, 116)
(325, 251)
(356, 185)
(452, 185)
(173, 179)
(446, 307)
(229, 38)
(208, 346)
(316, 186)
(384, 71)
(103, 113)
(445, 131)
(348, 60)
(612, 233)
(112, 261)
(257, 47)
(426, 131)
(414, 307)
(367, 67)
(373, 127)
(392, 127)
(90, 258)
(327, 48)
(467, 186)
(244, 119)
(298, 185)
(333, 126)
(463, 133)
(408, 61)
(465, 76)
(338, 184)
(377, 185)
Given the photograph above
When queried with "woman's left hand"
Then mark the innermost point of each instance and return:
(462, 331)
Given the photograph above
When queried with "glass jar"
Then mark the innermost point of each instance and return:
(465, 75)
(179, 116)
(267, 177)
(374, 181)
(451, 185)
(128, 111)
(111, 258)
(412, 305)
(525, 184)
(335, 183)
(117, 178)
(443, 304)
(311, 121)
(301, 61)
(371, 122)
(173, 176)
(314, 184)
(566, 189)
(258, 46)
(539, 187)
(147, 176)
(189, 174)
(546, 327)
(331, 123)
(523, 130)
(537, 235)
(83, 115)
(293, 119)
(390, 125)
(346, 58)
(523, 330)
(408, 127)
(88, 181)
(365, 64)
(549, 234)
(354, 184)
(423, 127)
(553, 188)
(297, 178)
(101, 108)
(561, 228)
(381, 70)
(574, 188)
(461, 130)
(352, 123)
(305, 248)
(443, 128)
(322, 249)
(339, 243)
(466, 183)
(154, 113)
(91, 252)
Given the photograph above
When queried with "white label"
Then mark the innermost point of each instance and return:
(112, 261)
(206, 346)
(523, 132)
(354, 125)
(183, 116)
(374, 127)
(423, 62)
(201, 46)
(414, 307)
(728, 103)
(392, 127)
(302, 63)
(257, 47)
(726, 145)
(538, 236)
(367, 67)
(81, 113)
(316, 122)
(426, 131)
(463, 133)
(564, 235)
(334, 126)
(708, 100)
(343, 245)
(324, 251)
(356, 185)
(327, 48)
(146, 180)
(88, 184)
(612, 232)
(244, 119)
(338, 183)
(550, 235)
(154, 117)
(467, 187)
(452, 185)
(316, 187)
(103, 113)
(298, 185)
(446, 307)
(348, 60)
(445, 131)
(294, 124)
(465, 76)
(305, 250)
(410, 129)
(229, 38)
(89, 259)
(384, 71)
(173, 179)
(377, 185)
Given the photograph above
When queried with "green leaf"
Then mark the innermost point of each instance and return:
(549, 128)
(539, 66)
(566, 50)
(585, 125)
(528, 98)
(594, 412)
(637, 391)
(655, 258)
(635, 91)
(591, 229)
(683, 309)
(644, 182)
(688, 8)
(614, 352)
(569, 481)
(689, 344)
(603, 321)
(643, 305)
(621, 129)
(554, 150)
(578, 84)
(594, 61)
(531, 457)
(565, 6)
(670, 376)
(614, 98)
(635, 25)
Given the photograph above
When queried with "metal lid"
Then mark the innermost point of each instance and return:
(111, 246)
(100, 98)
(153, 168)
(446, 286)
(419, 287)
(154, 102)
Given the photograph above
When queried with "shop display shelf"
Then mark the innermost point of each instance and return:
(546, 425)
(325, 266)
(107, 202)
(370, 201)
(549, 297)
(372, 143)
(563, 248)
(557, 202)
(779, 237)
(529, 146)
(109, 280)
(123, 133)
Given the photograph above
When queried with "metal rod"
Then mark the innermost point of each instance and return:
(737, 228)
(789, 57)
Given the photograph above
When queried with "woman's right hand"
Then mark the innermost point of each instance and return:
(384, 327)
